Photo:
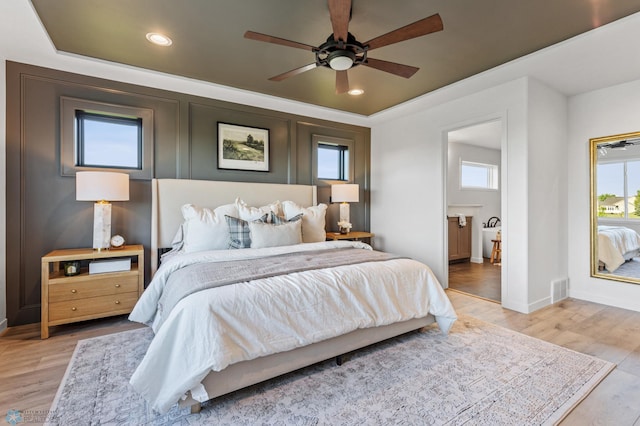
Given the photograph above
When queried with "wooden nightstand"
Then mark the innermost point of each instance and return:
(353, 236)
(67, 299)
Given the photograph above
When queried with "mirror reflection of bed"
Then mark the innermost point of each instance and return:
(619, 251)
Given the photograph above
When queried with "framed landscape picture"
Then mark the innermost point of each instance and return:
(243, 148)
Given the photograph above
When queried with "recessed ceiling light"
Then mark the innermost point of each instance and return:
(159, 39)
(356, 92)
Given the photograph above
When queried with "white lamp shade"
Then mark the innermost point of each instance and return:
(345, 193)
(102, 186)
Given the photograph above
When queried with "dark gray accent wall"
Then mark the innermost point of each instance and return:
(42, 213)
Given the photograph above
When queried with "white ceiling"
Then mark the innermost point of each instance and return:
(485, 135)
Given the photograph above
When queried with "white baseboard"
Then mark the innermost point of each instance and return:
(526, 308)
(3, 325)
(630, 304)
(477, 260)
(546, 301)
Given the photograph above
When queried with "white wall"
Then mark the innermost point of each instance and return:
(408, 179)
(547, 191)
(409, 208)
(3, 198)
(610, 111)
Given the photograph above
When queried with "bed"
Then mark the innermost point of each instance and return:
(213, 341)
(616, 245)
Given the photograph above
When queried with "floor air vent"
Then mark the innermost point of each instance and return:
(559, 290)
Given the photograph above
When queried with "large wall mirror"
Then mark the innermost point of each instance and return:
(615, 207)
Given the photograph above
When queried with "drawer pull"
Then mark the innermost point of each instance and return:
(74, 290)
(117, 285)
(117, 302)
(74, 309)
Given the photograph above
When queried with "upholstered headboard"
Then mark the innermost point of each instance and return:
(169, 195)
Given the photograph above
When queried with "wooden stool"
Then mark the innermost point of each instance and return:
(496, 252)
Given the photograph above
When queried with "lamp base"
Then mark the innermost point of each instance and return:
(101, 226)
(344, 212)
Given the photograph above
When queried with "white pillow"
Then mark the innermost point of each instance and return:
(313, 220)
(254, 213)
(269, 235)
(206, 229)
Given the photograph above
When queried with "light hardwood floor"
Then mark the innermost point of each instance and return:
(31, 369)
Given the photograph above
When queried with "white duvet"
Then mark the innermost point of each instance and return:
(613, 243)
(212, 329)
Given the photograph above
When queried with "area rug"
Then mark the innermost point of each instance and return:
(479, 374)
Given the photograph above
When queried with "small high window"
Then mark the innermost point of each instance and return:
(332, 159)
(478, 176)
(108, 141)
(333, 162)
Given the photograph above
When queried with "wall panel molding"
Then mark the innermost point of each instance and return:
(42, 213)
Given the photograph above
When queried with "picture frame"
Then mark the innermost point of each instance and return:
(243, 147)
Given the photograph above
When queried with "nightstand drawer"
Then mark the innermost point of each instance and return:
(93, 307)
(82, 288)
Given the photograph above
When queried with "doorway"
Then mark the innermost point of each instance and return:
(474, 200)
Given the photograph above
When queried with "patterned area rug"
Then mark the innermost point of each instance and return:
(480, 374)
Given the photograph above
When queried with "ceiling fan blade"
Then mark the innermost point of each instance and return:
(342, 82)
(405, 71)
(419, 28)
(276, 40)
(293, 72)
(340, 12)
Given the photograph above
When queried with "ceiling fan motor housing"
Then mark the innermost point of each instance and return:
(340, 55)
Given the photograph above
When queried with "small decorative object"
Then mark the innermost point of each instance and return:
(344, 227)
(117, 242)
(72, 268)
(243, 148)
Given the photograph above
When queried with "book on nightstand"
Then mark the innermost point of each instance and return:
(110, 265)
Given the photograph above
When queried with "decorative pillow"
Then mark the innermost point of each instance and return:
(313, 220)
(270, 235)
(239, 233)
(279, 220)
(254, 213)
(205, 229)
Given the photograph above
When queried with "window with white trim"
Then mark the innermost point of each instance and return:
(478, 175)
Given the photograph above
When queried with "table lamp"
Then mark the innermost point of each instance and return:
(344, 194)
(102, 187)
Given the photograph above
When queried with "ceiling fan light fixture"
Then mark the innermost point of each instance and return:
(341, 60)
(159, 39)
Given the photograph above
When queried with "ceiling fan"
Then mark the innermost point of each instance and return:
(342, 51)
